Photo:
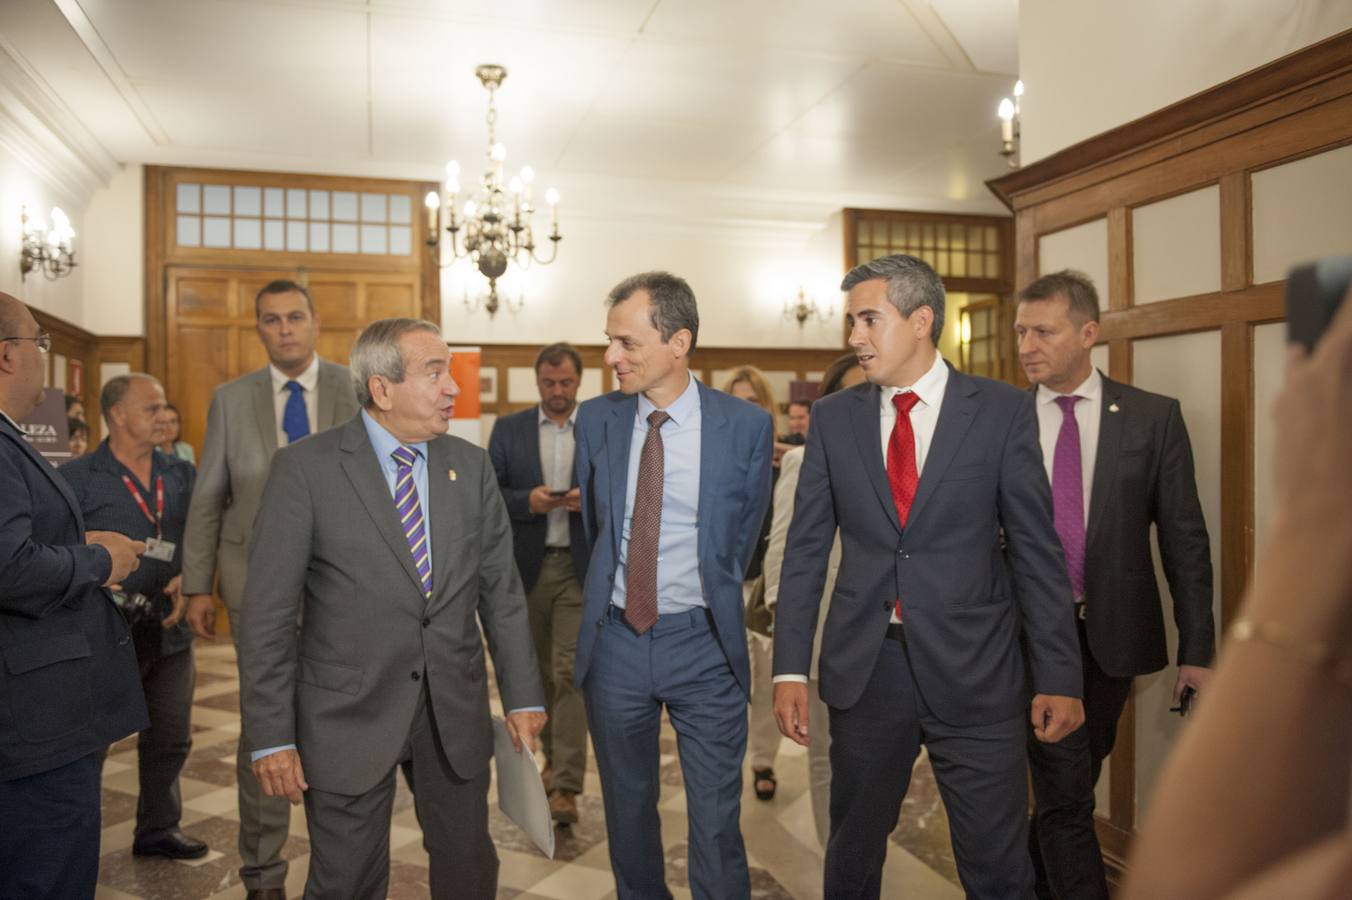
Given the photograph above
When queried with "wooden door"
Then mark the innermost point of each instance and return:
(210, 324)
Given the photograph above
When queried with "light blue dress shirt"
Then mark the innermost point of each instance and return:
(384, 445)
(678, 580)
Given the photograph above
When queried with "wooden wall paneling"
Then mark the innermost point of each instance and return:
(1236, 231)
(1237, 489)
(156, 239)
(1120, 295)
(1259, 303)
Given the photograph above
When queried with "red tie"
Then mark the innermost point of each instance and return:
(902, 473)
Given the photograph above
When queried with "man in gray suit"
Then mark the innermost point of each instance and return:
(296, 394)
(389, 541)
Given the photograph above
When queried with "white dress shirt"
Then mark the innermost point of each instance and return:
(1087, 415)
(309, 380)
(557, 449)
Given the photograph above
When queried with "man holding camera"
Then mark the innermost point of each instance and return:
(128, 486)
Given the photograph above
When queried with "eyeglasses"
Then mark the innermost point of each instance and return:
(43, 340)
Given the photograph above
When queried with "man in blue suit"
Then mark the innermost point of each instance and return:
(949, 563)
(69, 686)
(675, 481)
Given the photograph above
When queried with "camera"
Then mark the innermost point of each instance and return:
(136, 608)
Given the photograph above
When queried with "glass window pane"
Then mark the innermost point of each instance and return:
(958, 265)
(957, 236)
(373, 208)
(295, 203)
(929, 234)
(215, 231)
(373, 237)
(344, 210)
(247, 200)
(274, 203)
(247, 234)
(319, 206)
(216, 199)
(319, 235)
(401, 209)
(344, 236)
(992, 238)
(189, 199)
(274, 234)
(864, 230)
(189, 231)
(295, 234)
(401, 240)
(898, 232)
(992, 265)
(974, 237)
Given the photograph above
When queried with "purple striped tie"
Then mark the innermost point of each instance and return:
(410, 515)
(1068, 494)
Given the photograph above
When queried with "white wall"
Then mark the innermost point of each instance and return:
(114, 256)
(20, 186)
(1091, 65)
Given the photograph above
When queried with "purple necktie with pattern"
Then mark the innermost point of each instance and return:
(410, 515)
(640, 576)
(1068, 494)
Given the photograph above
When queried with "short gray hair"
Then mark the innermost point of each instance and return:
(672, 302)
(911, 284)
(377, 352)
(116, 388)
(1076, 287)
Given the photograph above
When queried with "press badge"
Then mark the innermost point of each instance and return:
(159, 549)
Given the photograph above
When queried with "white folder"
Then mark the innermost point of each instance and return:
(521, 791)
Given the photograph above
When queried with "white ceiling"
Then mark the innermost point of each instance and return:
(840, 101)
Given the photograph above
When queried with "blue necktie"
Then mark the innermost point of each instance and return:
(295, 420)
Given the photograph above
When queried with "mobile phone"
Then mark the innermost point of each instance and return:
(1313, 292)
(1185, 701)
(558, 493)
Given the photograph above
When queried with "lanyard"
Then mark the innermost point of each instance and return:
(140, 501)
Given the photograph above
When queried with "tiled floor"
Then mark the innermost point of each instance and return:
(780, 839)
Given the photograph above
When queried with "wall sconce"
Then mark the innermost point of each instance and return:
(1009, 111)
(46, 248)
(804, 308)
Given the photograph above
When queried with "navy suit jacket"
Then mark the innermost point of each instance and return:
(68, 678)
(736, 444)
(514, 448)
(965, 592)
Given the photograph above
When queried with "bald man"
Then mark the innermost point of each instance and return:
(68, 684)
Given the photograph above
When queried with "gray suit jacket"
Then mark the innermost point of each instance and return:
(241, 438)
(328, 550)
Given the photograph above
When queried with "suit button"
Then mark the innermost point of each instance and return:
(124, 640)
(887, 606)
(417, 676)
(611, 576)
(426, 622)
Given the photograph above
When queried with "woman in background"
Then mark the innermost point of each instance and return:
(172, 445)
(79, 437)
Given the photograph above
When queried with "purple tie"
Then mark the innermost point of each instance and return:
(410, 514)
(1068, 494)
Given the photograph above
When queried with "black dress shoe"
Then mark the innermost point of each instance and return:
(174, 845)
(266, 894)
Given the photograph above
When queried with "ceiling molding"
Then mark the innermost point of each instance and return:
(46, 137)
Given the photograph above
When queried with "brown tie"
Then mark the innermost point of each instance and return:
(640, 579)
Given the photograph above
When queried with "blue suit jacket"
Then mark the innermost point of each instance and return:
(736, 443)
(514, 448)
(68, 678)
(978, 561)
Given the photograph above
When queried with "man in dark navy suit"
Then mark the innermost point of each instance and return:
(949, 563)
(675, 481)
(68, 681)
(533, 454)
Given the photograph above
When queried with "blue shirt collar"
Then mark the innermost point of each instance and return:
(681, 408)
(385, 443)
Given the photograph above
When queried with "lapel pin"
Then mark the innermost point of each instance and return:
(1111, 408)
(450, 473)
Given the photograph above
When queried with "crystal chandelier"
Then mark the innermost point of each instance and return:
(497, 229)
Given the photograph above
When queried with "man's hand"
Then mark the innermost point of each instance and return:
(124, 551)
(280, 775)
(174, 591)
(1055, 716)
(1195, 677)
(573, 500)
(202, 615)
(523, 727)
(542, 501)
(791, 710)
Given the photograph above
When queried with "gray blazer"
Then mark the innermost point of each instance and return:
(328, 550)
(241, 438)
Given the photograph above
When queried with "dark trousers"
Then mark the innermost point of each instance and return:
(350, 835)
(49, 832)
(981, 775)
(678, 664)
(1064, 848)
(162, 749)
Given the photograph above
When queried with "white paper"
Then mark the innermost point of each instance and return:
(521, 791)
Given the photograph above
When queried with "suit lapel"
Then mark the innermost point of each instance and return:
(446, 501)
(619, 434)
(530, 439)
(265, 412)
(326, 411)
(712, 453)
(47, 469)
(368, 482)
(867, 420)
(1105, 460)
(955, 417)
